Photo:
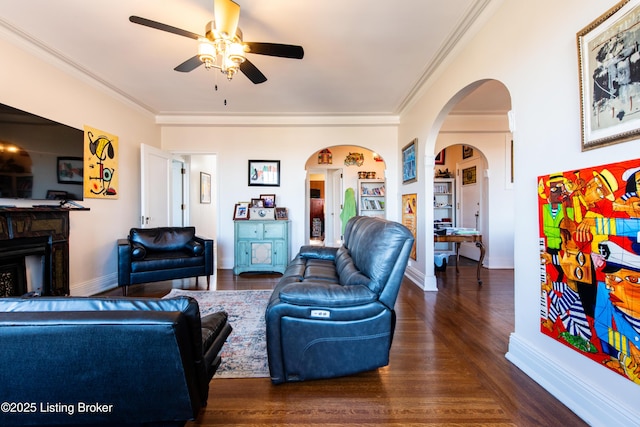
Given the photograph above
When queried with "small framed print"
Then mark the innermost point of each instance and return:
(257, 203)
(409, 165)
(282, 213)
(269, 200)
(241, 211)
(205, 187)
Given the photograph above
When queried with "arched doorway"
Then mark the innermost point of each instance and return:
(477, 142)
(330, 173)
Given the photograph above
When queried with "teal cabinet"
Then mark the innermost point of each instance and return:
(261, 246)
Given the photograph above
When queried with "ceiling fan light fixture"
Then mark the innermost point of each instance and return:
(207, 53)
(236, 53)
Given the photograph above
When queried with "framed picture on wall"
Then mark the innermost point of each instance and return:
(440, 158)
(205, 188)
(608, 76)
(264, 173)
(409, 162)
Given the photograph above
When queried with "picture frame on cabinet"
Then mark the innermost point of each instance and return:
(264, 173)
(257, 203)
(269, 200)
(409, 162)
(282, 214)
(241, 211)
(607, 51)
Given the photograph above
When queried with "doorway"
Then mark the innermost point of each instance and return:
(325, 205)
(330, 173)
(171, 189)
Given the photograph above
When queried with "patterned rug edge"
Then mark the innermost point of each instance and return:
(244, 355)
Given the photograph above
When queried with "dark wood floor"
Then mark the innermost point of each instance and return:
(447, 367)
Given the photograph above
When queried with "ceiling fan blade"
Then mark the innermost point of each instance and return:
(163, 27)
(189, 65)
(276, 49)
(252, 72)
(226, 14)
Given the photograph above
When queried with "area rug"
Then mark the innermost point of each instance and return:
(244, 355)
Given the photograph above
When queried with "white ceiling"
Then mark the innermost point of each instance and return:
(362, 57)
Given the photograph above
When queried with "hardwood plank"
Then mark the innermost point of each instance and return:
(448, 367)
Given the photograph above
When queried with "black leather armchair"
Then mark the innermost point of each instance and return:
(332, 312)
(163, 253)
(106, 361)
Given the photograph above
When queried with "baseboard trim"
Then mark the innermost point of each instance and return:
(95, 286)
(597, 407)
(418, 277)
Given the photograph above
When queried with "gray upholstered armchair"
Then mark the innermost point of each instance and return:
(332, 312)
(163, 253)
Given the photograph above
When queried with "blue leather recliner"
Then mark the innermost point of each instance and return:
(332, 312)
(163, 253)
(95, 361)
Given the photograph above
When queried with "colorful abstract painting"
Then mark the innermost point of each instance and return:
(100, 164)
(589, 223)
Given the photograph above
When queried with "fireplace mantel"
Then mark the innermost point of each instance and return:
(38, 222)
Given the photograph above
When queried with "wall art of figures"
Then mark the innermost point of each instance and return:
(589, 221)
(100, 164)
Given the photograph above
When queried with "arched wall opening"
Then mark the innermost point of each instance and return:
(475, 119)
(330, 173)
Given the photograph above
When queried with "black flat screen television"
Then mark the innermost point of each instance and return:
(39, 159)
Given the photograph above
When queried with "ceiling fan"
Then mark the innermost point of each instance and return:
(222, 46)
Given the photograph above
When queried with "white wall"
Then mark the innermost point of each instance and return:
(531, 48)
(292, 145)
(528, 46)
(52, 90)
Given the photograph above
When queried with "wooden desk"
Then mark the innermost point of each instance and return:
(459, 238)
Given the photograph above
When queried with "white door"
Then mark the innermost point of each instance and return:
(155, 170)
(333, 207)
(178, 202)
(469, 182)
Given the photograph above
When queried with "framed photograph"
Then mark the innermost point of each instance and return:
(205, 188)
(409, 162)
(609, 76)
(467, 152)
(241, 211)
(440, 158)
(264, 173)
(257, 203)
(469, 176)
(70, 170)
(269, 200)
(281, 213)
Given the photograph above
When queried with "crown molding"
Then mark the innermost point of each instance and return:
(208, 120)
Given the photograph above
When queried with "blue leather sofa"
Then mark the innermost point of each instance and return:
(163, 253)
(106, 361)
(331, 314)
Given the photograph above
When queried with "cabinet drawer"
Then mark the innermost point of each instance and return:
(274, 230)
(249, 230)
